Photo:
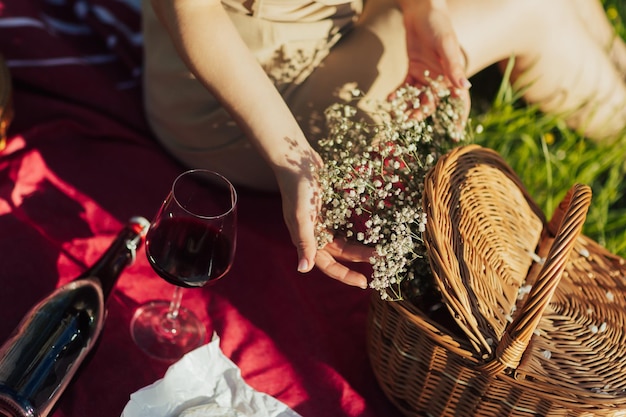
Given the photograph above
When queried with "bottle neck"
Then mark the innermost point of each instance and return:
(120, 254)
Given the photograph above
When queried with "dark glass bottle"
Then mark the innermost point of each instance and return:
(46, 349)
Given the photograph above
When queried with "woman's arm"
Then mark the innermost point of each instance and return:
(210, 45)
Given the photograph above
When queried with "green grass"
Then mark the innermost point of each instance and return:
(549, 157)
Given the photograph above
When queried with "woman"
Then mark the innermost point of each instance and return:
(239, 86)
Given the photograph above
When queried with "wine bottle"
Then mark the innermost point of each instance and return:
(46, 349)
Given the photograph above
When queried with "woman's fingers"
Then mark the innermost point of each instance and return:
(306, 245)
(452, 61)
(300, 195)
(329, 265)
(350, 251)
(327, 260)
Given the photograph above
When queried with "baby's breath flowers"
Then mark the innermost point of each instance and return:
(372, 180)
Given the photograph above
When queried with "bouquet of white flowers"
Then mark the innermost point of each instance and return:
(373, 179)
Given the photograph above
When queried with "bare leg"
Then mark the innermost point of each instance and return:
(563, 68)
(592, 15)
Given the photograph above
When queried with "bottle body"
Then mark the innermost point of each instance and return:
(44, 352)
(51, 341)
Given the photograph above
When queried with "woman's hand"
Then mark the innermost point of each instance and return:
(342, 249)
(301, 204)
(433, 49)
(432, 44)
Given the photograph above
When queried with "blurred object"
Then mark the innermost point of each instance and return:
(6, 102)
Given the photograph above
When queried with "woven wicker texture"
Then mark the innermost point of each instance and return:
(540, 308)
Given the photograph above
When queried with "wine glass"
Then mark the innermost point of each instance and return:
(190, 243)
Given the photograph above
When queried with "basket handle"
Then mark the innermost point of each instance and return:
(569, 217)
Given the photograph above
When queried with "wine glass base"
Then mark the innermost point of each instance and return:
(164, 338)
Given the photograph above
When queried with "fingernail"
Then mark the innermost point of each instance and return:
(465, 83)
(360, 282)
(303, 265)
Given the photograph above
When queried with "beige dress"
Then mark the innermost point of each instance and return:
(290, 38)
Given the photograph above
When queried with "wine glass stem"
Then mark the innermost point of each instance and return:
(170, 324)
(177, 297)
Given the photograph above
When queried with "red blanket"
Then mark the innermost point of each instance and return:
(80, 161)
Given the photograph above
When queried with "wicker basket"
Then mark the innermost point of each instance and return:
(540, 308)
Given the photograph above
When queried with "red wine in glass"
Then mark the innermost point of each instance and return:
(187, 252)
(191, 243)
